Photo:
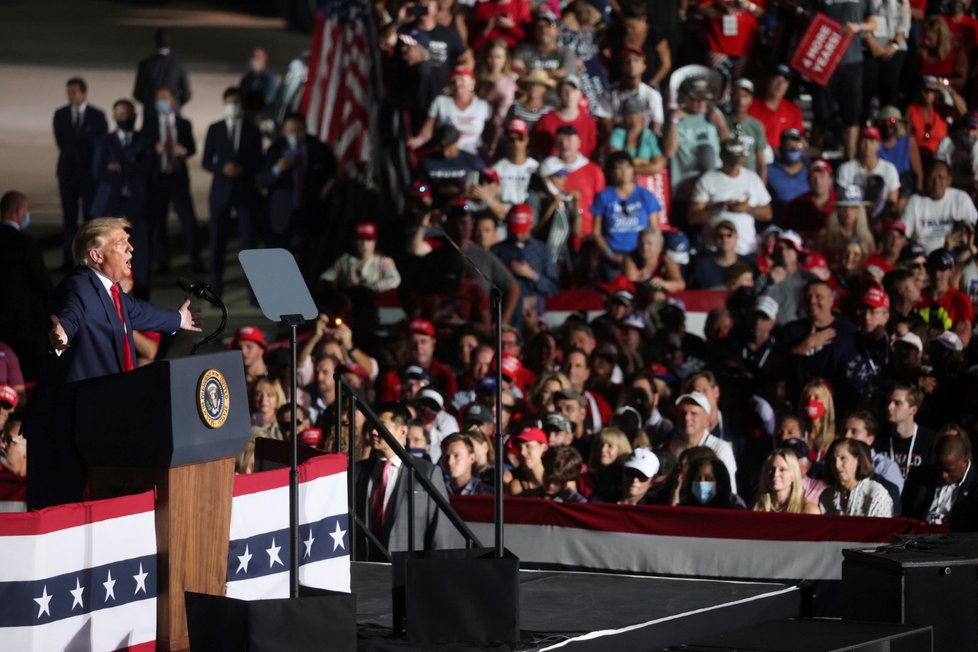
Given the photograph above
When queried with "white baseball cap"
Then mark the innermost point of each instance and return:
(698, 398)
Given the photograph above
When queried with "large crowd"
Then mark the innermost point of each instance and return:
(644, 152)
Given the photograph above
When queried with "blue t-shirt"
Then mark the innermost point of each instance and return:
(784, 187)
(622, 220)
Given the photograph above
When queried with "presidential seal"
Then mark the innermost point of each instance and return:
(213, 398)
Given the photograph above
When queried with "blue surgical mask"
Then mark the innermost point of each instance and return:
(162, 107)
(793, 155)
(27, 220)
(704, 491)
(417, 452)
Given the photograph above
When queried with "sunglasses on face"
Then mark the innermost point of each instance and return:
(633, 474)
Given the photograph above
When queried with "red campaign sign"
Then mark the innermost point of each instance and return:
(658, 185)
(820, 50)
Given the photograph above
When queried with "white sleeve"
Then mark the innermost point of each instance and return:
(944, 149)
(908, 217)
(700, 192)
(436, 110)
(967, 212)
(892, 177)
(658, 115)
(846, 174)
(759, 196)
(725, 454)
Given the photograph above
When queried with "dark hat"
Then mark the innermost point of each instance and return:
(477, 413)
(798, 446)
(940, 260)
(557, 421)
(567, 130)
(912, 250)
(568, 395)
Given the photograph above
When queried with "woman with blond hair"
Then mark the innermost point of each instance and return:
(818, 417)
(267, 397)
(847, 222)
(496, 84)
(782, 487)
(603, 480)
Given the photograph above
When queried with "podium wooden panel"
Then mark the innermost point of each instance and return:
(193, 522)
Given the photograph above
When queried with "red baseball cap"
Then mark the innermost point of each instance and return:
(8, 395)
(461, 70)
(820, 165)
(896, 225)
(366, 231)
(532, 434)
(511, 366)
(870, 132)
(488, 175)
(627, 52)
(311, 437)
(517, 126)
(519, 220)
(422, 327)
(815, 259)
(876, 297)
(249, 334)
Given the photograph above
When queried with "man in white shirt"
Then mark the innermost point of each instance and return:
(929, 218)
(731, 193)
(633, 66)
(867, 164)
(694, 412)
(516, 169)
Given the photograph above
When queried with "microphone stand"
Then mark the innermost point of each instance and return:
(496, 302)
(205, 292)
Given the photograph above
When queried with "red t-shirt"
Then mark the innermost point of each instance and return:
(786, 116)
(927, 133)
(954, 306)
(518, 10)
(588, 180)
(545, 133)
(965, 30)
(737, 39)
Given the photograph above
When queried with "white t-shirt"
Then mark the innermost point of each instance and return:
(928, 221)
(469, 122)
(514, 180)
(724, 452)
(853, 173)
(716, 186)
(650, 98)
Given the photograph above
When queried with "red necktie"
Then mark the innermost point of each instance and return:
(126, 351)
(377, 499)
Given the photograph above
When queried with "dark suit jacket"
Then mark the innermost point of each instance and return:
(156, 71)
(320, 167)
(432, 529)
(918, 494)
(134, 162)
(185, 137)
(25, 292)
(76, 148)
(218, 150)
(95, 335)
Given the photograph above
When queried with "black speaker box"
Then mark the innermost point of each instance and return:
(816, 635)
(315, 621)
(921, 581)
(464, 597)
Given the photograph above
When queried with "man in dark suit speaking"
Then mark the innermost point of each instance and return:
(382, 494)
(92, 335)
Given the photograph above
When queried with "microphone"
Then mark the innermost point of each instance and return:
(199, 290)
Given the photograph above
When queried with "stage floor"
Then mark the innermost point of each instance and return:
(584, 611)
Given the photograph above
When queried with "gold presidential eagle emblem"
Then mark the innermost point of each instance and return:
(213, 398)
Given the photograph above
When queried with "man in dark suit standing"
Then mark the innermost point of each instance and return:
(232, 153)
(160, 69)
(173, 139)
(25, 289)
(944, 492)
(121, 167)
(296, 173)
(92, 335)
(382, 495)
(77, 129)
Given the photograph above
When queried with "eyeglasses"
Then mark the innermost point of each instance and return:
(633, 474)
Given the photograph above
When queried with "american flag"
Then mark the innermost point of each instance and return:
(338, 89)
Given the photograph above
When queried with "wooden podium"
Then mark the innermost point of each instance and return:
(174, 426)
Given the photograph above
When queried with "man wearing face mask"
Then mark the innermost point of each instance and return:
(122, 165)
(732, 193)
(258, 85)
(960, 151)
(25, 288)
(787, 177)
(173, 139)
(296, 174)
(232, 153)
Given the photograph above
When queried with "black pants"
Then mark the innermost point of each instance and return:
(220, 228)
(842, 96)
(881, 79)
(73, 191)
(167, 190)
